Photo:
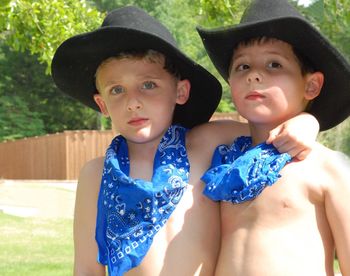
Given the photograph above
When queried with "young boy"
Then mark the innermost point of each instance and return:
(152, 218)
(277, 66)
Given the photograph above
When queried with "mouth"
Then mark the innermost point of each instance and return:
(137, 121)
(254, 95)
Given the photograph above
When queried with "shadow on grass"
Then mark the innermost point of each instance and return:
(35, 246)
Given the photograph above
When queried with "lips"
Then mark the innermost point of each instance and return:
(254, 96)
(137, 121)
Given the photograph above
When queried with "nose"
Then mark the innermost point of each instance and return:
(133, 103)
(254, 76)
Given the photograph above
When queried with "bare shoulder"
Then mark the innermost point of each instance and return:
(330, 158)
(341, 159)
(218, 132)
(339, 165)
(92, 165)
(87, 192)
(89, 182)
(91, 171)
(334, 166)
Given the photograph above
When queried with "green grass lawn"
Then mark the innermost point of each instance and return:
(35, 246)
(38, 247)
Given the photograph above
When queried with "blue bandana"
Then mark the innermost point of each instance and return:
(240, 173)
(132, 211)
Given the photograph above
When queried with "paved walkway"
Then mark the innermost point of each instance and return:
(43, 198)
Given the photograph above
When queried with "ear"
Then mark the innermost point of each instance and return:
(314, 85)
(183, 91)
(101, 104)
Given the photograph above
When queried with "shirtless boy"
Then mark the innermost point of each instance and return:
(145, 195)
(278, 65)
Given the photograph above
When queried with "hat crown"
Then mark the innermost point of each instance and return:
(261, 10)
(133, 18)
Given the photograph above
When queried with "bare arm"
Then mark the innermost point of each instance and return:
(218, 132)
(338, 208)
(85, 247)
(295, 136)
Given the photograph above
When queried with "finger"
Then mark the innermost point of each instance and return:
(293, 152)
(303, 154)
(283, 139)
(273, 134)
(287, 147)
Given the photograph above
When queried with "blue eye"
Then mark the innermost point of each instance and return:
(148, 85)
(117, 89)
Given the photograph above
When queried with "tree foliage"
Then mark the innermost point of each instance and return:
(332, 17)
(17, 121)
(30, 32)
(222, 12)
(25, 87)
(39, 26)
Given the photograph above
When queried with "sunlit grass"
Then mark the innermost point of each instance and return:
(35, 246)
(38, 247)
(336, 266)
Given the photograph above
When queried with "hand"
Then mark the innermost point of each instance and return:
(295, 136)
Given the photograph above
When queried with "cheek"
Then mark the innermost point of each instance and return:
(166, 105)
(235, 95)
(111, 105)
(116, 107)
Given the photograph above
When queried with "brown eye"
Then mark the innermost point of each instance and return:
(274, 65)
(242, 67)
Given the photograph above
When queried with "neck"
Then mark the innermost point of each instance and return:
(260, 132)
(139, 151)
(141, 156)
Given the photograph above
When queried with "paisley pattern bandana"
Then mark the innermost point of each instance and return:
(240, 173)
(131, 211)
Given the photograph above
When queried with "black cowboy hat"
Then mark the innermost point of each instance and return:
(129, 28)
(279, 19)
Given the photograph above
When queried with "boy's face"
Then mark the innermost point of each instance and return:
(139, 96)
(266, 82)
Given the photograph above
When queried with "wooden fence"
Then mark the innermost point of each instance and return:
(54, 156)
(58, 156)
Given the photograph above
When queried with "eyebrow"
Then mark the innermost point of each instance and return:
(272, 52)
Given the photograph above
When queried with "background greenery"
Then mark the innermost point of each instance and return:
(31, 30)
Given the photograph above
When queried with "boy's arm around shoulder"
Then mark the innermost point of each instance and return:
(337, 206)
(85, 247)
(218, 132)
(295, 136)
(202, 140)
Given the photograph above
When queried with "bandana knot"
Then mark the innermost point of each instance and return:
(240, 173)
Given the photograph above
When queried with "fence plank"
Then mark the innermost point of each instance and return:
(54, 156)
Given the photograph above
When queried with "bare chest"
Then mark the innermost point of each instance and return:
(294, 197)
